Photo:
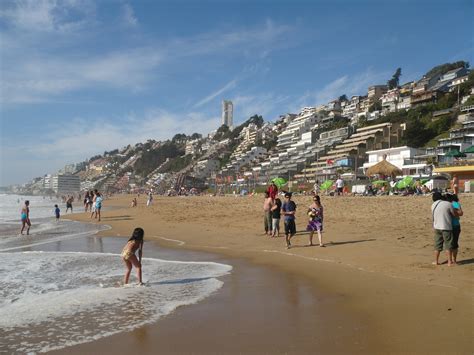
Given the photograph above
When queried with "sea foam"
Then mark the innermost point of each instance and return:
(50, 300)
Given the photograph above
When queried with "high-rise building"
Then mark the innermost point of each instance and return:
(227, 113)
(64, 183)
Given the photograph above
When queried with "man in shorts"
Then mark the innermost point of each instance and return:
(289, 209)
(442, 212)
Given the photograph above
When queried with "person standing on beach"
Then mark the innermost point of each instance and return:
(149, 201)
(455, 184)
(128, 254)
(289, 210)
(456, 224)
(69, 203)
(276, 215)
(86, 201)
(272, 190)
(267, 213)
(57, 212)
(442, 212)
(316, 188)
(93, 199)
(316, 215)
(25, 218)
(98, 205)
(339, 186)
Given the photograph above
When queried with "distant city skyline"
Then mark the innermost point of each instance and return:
(82, 77)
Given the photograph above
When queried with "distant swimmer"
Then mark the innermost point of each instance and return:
(25, 218)
(128, 254)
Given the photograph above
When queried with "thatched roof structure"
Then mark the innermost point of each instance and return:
(384, 168)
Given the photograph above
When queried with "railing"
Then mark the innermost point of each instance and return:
(467, 108)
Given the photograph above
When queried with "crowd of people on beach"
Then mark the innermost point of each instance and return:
(446, 210)
(274, 208)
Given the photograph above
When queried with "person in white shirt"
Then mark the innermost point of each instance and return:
(339, 186)
(442, 212)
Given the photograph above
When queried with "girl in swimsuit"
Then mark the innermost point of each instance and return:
(128, 254)
(25, 218)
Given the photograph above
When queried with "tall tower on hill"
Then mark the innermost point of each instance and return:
(227, 113)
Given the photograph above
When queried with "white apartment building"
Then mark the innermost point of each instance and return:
(401, 157)
(66, 183)
(390, 101)
(227, 113)
(48, 181)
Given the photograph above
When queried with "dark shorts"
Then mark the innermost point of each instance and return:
(456, 233)
(68, 205)
(290, 227)
(443, 238)
(340, 190)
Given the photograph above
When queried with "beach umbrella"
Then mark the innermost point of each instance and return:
(469, 150)
(279, 182)
(384, 168)
(407, 181)
(455, 154)
(379, 182)
(424, 181)
(326, 185)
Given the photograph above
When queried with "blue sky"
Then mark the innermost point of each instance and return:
(80, 77)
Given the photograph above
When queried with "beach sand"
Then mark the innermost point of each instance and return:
(376, 269)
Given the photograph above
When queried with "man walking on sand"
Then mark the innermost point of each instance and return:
(289, 209)
(442, 212)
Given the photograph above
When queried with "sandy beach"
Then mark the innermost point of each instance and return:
(376, 269)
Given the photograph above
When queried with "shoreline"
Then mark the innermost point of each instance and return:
(399, 301)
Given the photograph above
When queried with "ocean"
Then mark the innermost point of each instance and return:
(61, 285)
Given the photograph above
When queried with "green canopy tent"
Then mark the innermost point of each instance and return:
(455, 154)
(424, 181)
(379, 182)
(326, 185)
(469, 150)
(279, 182)
(407, 181)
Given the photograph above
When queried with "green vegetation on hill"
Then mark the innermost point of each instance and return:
(178, 163)
(444, 68)
(152, 158)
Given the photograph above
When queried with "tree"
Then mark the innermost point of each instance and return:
(393, 83)
(376, 106)
(443, 68)
(179, 138)
(343, 98)
(196, 136)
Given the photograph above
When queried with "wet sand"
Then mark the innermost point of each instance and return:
(375, 270)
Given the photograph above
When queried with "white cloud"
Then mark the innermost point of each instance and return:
(356, 84)
(265, 104)
(128, 15)
(36, 79)
(78, 139)
(230, 85)
(48, 15)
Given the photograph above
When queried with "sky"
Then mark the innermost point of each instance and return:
(79, 77)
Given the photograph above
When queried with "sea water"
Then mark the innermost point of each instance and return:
(61, 286)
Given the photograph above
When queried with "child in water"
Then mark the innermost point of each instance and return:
(57, 212)
(128, 254)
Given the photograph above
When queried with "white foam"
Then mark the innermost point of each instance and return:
(53, 300)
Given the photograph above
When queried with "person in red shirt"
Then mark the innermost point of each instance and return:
(272, 191)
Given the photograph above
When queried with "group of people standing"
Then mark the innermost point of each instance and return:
(446, 211)
(274, 208)
(93, 203)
